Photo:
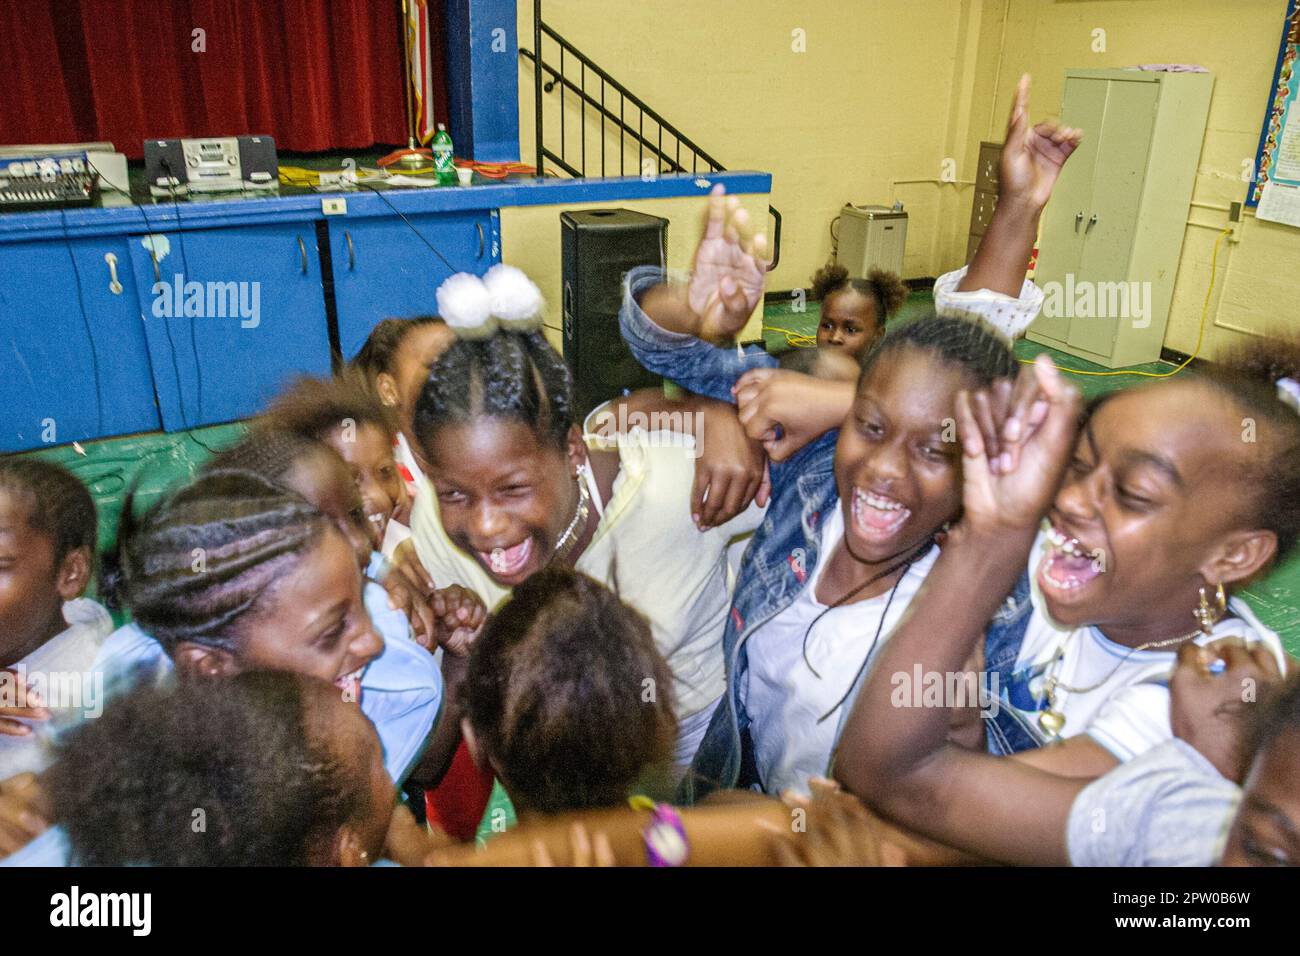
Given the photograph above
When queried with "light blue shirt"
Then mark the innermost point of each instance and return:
(51, 848)
(401, 693)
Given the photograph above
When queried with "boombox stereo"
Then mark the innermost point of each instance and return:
(226, 164)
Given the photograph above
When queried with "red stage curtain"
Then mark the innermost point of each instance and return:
(315, 74)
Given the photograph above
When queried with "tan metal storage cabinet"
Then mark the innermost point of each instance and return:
(1113, 232)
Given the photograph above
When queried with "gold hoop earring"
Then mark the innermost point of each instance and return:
(1207, 616)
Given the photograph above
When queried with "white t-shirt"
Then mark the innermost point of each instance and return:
(785, 700)
(60, 673)
(666, 568)
(1129, 713)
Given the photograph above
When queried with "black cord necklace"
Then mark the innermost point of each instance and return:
(905, 564)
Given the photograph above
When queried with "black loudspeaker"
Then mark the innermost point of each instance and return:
(164, 161)
(258, 160)
(598, 248)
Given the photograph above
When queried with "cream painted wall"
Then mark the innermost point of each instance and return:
(1257, 281)
(881, 93)
(886, 89)
(530, 239)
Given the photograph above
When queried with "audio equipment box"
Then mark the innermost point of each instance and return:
(176, 167)
(46, 182)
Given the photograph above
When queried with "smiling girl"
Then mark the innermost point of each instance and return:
(1128, 578)
(851, 532)
(395, 362)
(398, 682)
(343, 414)
(516, 487)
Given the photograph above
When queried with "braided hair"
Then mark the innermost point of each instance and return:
(960, 342)
(511, 375)
(268, 452)
(202, 558)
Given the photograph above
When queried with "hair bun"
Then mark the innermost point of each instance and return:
(465, 304)
(515, 299)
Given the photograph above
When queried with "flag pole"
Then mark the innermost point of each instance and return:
(411, 157)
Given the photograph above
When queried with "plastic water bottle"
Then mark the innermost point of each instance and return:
(444, 166)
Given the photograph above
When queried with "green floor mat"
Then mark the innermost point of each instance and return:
(147, 464)
(498, 817)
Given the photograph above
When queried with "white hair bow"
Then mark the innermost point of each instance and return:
(474, 307)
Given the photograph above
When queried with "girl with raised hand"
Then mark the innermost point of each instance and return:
(1127, 573)
(730, 267)
(856, 509)
(517, 488)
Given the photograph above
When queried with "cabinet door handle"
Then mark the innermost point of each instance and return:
(302, 249)
(1092, 221)
(114, 286)
(1078, 218)
(352, 253)
(478, 226)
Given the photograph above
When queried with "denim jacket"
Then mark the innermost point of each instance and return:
(1006, 732)
(783, 552)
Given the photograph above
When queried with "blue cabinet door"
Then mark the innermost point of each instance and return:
(384, 268)
(231, 316)
(73, 361)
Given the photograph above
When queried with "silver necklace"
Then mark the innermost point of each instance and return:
(573, 532)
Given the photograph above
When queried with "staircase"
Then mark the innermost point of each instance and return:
(635, 127)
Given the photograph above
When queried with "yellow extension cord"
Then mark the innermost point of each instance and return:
(1200, 335)
(796, 340)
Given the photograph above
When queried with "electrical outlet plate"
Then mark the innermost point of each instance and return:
(334, 206)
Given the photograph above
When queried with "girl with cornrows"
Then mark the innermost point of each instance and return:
(515, 487)
(851, 532)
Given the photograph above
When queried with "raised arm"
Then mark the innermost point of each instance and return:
(786, 410)
(1032, 159)
(897, 756)
(672, 330)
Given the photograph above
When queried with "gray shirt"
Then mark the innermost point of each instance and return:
(1166, 807)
